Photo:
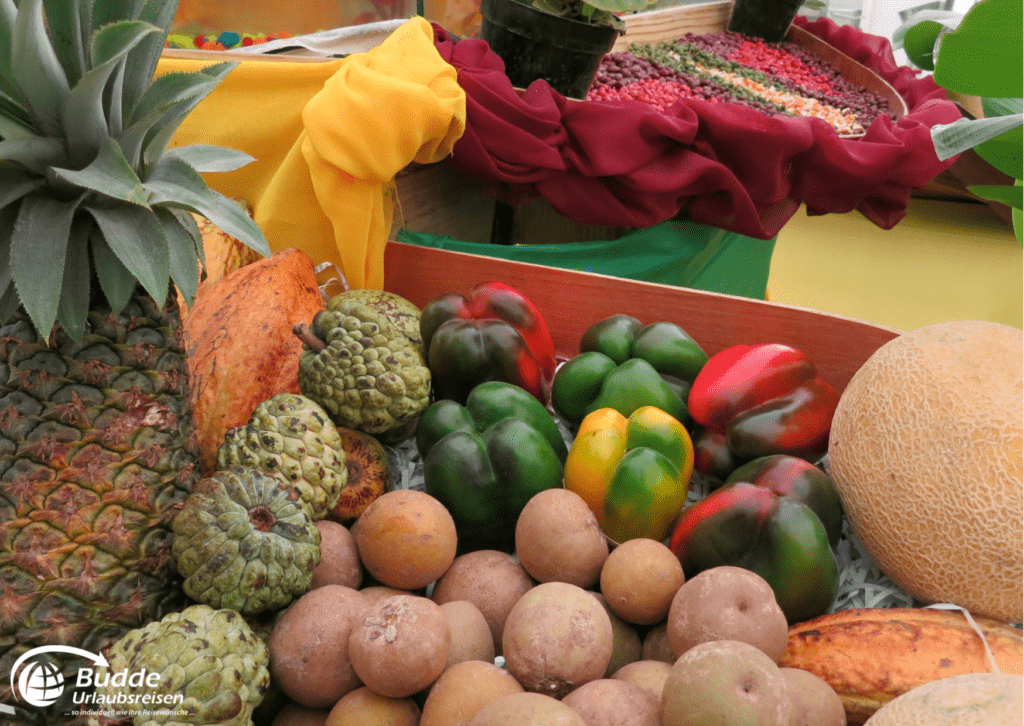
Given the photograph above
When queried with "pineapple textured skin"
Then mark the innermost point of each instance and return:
(97, 453)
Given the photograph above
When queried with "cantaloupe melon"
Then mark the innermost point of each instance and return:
(970, 699)
(925, 450)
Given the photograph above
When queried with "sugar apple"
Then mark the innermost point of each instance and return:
(403, 313)
(244, 540)
(362, 369)
(210, 657)
(291, 436)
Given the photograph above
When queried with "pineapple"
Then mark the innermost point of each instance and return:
(97, 444)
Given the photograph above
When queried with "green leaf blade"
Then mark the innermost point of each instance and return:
(1004, 152)
(73, 308)
(174, 183)
(38, 249)
(1012, 196)
(109, 174)
(184, 266)
(206, 158)
(136, 238)
(64, 19)
(919, 43)
(982, 57)
(36, 70)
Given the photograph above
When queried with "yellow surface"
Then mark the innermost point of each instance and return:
(946, 260)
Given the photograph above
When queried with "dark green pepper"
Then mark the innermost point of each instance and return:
(624, 364)
(485, 460)
(778, 516)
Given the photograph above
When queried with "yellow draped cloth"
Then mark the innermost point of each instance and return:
(328, 138)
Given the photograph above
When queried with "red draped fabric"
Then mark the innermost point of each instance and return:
(626, 164)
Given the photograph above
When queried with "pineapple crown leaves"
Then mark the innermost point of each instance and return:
(88, 183)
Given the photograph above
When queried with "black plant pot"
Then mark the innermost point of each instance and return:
(535, 44)
(765, 19)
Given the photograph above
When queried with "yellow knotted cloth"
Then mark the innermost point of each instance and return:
(323, 182)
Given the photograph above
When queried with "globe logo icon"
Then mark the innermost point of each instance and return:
(41, 683)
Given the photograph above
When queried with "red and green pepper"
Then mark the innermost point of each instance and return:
(756, 400)
(494, 334)
(780, 517)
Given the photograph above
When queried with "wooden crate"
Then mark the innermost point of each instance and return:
(571, 301)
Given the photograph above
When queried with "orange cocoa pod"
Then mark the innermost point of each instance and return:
(872, 655)
(240, 345)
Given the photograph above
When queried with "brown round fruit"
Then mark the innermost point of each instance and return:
(557, 637)
(813, 702)
(926, 453)
(609, 702)
(492, 580)
(725, 682)
(626, 643)
(339, 558)
(406, 539)
(640, 578)
(401, 646)
(727, 603)
(649, 674)
(362, 706)
(656, 645)
(463, 689)
(526, 709)
(471, 636)
(558, 539)
(309, 654)
(292, 714)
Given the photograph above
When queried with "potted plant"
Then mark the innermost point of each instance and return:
(977, 54)
(560, 41)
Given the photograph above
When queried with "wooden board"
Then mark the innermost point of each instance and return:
(571, 301)
(655, 26)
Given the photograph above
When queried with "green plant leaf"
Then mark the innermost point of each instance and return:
(954, 138)
(9, 303)
(166, 92)
(620, 6)
(115, 280)
(919, 43)
(1010, 195)
(137, 239)
(36, 153)
(983, 57)
(1002, 106)
(16, 183)
(207, 158)
(64, 19)
(174, 183)
(83, 112)
(73, 308)
(182, 249)
(36, 70)
(143, 60)
(1018, 220)
(156, 144)
(38, 248)
(1004, 152)
(15, 122)
(109, 174)
(188, 223)
(8, 216)
(8, 19)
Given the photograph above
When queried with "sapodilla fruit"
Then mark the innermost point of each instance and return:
(925, 451)
(369, 474)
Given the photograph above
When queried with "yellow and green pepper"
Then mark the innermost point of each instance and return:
(633, 472)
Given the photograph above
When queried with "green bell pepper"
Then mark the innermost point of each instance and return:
(624, 364)
(485, 460)
(778, 516)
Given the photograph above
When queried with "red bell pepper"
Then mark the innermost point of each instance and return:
(494, 334)
(757, 400)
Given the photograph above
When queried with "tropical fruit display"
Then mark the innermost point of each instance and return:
(926, 453)
(227, 497)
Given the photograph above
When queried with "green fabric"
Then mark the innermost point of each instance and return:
(678, 253)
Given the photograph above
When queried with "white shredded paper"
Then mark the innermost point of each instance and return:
(861, 583)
